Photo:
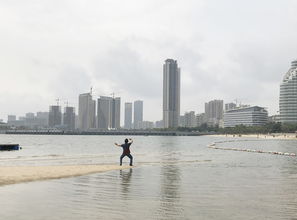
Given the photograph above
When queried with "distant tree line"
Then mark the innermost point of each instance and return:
(271, 127)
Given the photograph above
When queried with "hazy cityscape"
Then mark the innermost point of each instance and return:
(148, 110)
(104, 112)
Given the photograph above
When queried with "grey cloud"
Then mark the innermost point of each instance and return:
(69, 82)
(226, 49)
(128, 71)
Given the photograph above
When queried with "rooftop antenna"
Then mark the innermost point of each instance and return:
(112, 95)
(58, 101)
(91, 90)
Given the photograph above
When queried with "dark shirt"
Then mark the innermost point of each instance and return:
(126, 148)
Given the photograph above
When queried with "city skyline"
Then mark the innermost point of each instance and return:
(109, 108)
(223, 47)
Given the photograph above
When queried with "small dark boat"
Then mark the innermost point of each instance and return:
(8, 147)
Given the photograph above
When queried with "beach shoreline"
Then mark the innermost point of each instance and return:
(276, 136)
(21, 174)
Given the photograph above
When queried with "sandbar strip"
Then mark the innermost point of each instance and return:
(13, 175)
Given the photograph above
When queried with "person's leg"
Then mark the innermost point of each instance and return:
(131, 159)
(121, 159)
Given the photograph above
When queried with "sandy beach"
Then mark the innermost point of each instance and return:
(12, 175)
(280, 136)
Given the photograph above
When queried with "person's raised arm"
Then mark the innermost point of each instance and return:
(116, 144)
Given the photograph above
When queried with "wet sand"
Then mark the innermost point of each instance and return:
(279, 136)
(13, 175)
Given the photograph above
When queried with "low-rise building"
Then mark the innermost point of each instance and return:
(248, 116)
(145, 125)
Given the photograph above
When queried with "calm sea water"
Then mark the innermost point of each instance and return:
(174, 178)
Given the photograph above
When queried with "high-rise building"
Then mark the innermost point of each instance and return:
(30, 115)
(69, 118)
(214, 112)
(43, 118)
(171, 93)
(109, 112)
(86, 112)
(116, 119)
(128, 115)
(248, 116)
(138, 113)
(190, 119)
(11, 118)
(54, 116)
(103, 112)
(288, 96)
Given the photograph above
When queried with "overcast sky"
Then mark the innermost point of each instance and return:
(226, 49)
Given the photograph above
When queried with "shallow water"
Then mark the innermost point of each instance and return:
(174, 178)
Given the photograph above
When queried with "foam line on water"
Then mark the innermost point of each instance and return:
(214, 146)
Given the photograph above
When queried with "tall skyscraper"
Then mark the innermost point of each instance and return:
(103, 112)
(171, 94)
(116, 113)
(214, 112)
(138, 114)
(69, 118)
(55, 116)
(288, 96)
(128, 115)
(86, 112)
(109, 112)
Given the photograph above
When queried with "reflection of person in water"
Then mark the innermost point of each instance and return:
(126, 179)
(126, 150)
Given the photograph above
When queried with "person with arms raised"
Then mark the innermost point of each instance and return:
(126, 150)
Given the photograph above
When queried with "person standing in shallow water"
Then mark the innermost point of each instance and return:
(126, 150)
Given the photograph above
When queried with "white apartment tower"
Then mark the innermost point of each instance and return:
(86, 112)
(288, 96)
(171, 94)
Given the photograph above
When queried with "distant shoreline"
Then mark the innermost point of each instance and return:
(109, 132)
(277, 136)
